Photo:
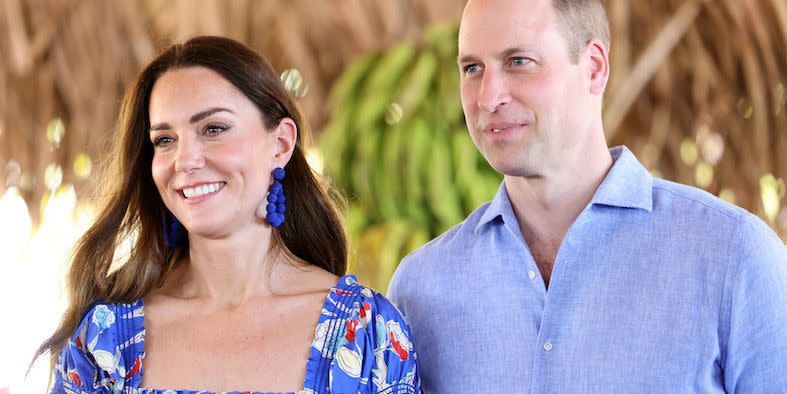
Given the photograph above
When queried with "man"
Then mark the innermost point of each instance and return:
(584, 273)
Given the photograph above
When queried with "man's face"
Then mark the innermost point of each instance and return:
(529, 110)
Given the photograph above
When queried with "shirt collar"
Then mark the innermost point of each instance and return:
(627, 185)
(499, 207)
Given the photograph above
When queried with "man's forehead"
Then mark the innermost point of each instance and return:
(500, 24)
(492, 11)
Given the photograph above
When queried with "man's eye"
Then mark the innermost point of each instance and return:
(519, 61)
(471, 68)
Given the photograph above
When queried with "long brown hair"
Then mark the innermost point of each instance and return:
(133, 210)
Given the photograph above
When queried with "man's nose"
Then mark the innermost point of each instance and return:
(494, 91)
(189, 155)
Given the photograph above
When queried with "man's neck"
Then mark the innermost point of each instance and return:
(547, 206)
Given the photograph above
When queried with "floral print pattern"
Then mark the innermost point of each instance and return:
(361, 345)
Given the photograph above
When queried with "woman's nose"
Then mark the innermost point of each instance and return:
(189, 156)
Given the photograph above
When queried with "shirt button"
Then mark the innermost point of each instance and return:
(548, 345)
(531, 274)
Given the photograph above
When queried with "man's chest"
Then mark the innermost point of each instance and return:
(589, 332)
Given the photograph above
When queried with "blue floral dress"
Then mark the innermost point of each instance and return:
(362, 345)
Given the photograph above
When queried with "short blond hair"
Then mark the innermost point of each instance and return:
(581, 21)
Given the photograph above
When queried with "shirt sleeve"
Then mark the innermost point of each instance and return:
(89, 362)
(381, 351)
(397, 289)
(755, 310)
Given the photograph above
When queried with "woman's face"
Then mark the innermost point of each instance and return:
(212, 155)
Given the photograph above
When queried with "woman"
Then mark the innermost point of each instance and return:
(236, 250)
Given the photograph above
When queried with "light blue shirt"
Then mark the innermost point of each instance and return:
(657, 288)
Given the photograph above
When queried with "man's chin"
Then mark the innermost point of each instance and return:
(516, 167)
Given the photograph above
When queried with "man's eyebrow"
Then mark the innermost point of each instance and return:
(510, 51)
(194, 118)
(504, 54)
(466, 59)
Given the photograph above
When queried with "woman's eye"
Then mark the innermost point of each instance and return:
(162, 141)
(215, 129)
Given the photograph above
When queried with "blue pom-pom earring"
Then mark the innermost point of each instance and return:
(275, 208)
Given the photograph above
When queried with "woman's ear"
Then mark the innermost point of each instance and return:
(285, 137)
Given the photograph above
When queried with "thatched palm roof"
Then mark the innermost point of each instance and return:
(711, 73)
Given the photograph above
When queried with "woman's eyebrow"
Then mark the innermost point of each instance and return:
(194, 118)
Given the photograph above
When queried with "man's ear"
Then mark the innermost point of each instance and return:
(286, 135)
(598, 64)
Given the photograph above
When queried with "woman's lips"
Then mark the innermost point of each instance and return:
(199, 192)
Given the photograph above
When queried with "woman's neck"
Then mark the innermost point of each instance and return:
(229, 271)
